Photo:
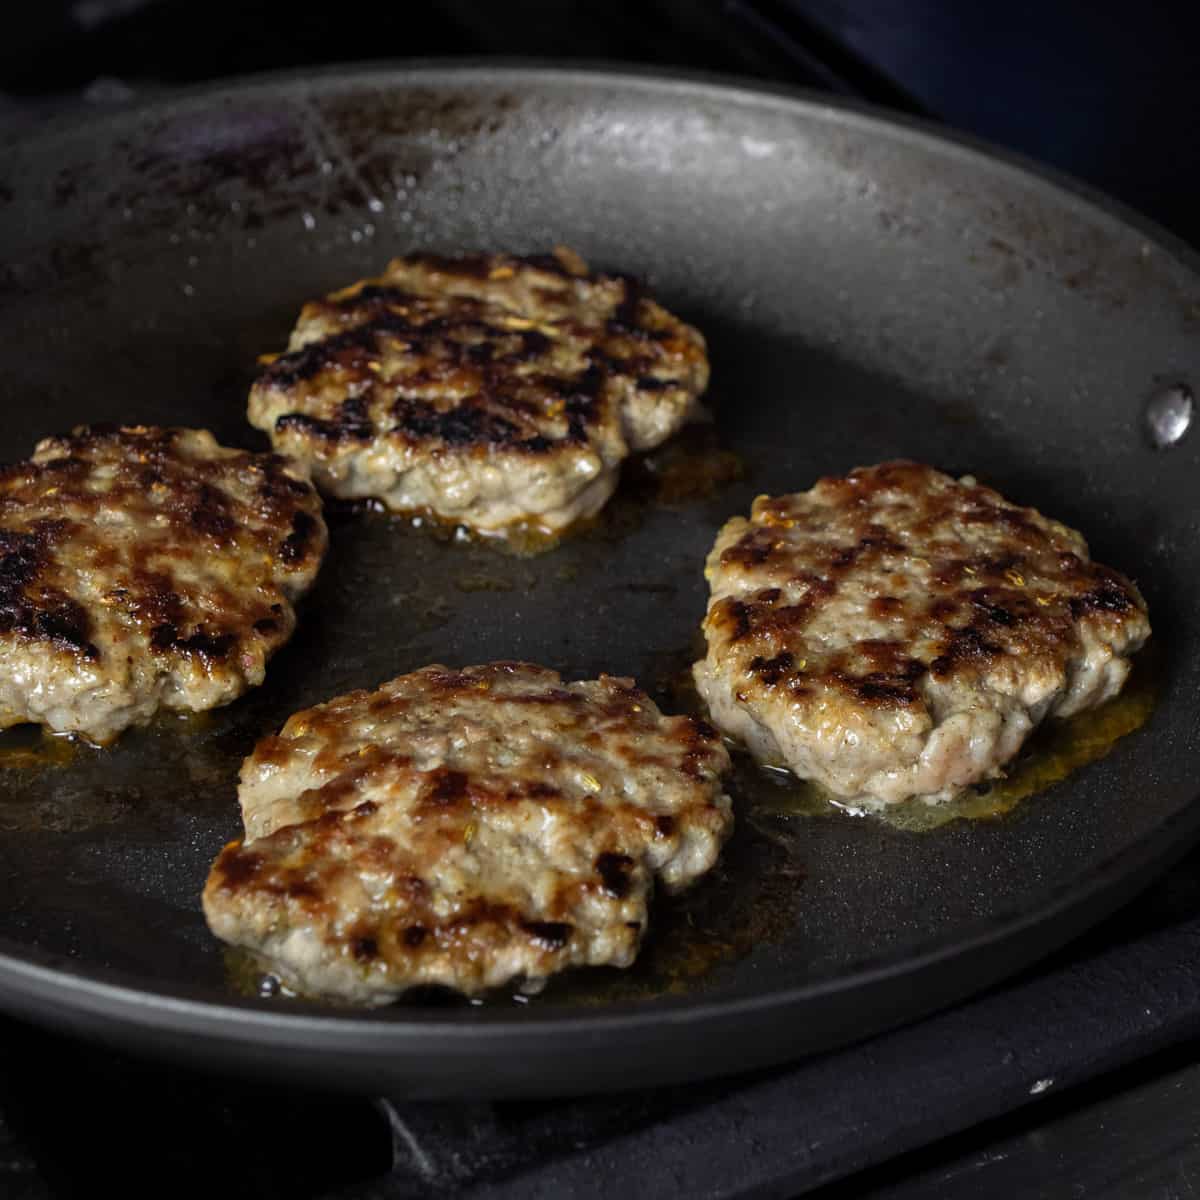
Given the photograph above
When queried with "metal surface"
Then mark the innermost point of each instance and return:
(1169, 415)
(1140, 1141)
(868, 289)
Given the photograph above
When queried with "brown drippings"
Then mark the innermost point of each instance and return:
(29, 748)
(27, 754)
(689, 467)
(749, 899)
(482, 582)
(693, 465)
(1053, 752)
(245, 975)
(521, 539)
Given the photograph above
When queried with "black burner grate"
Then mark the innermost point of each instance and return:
(79, 1120)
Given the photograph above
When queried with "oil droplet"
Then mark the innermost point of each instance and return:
(26, 746)
(1168, 416)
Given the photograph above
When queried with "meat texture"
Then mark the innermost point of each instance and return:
(465, 828)
(897, 633)
(487, 391)
(145, 568)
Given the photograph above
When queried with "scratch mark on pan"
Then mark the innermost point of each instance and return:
(327, 144)
(405, 1143)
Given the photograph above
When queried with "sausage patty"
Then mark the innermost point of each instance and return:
(488, 391)
(897, 633)
(143, 568)
(465, 828)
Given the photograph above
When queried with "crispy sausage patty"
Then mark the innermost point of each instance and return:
(465, 828)
(898, 633)
(143, 568)
(488, 391)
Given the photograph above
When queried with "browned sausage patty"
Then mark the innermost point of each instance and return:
(488, 391)
(898, 633)
(143, 568)
(465, 828)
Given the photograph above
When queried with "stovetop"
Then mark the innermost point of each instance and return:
(1066, 84)
(78, 1119)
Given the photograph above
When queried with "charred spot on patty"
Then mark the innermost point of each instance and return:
(349, 424)
(364, 948)
(553, 935)
(614, 870)
(237, 866)
(447, 787)
(772, 670)
(30, 606)
(304, 535)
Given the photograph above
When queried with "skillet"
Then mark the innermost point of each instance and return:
(869, 288)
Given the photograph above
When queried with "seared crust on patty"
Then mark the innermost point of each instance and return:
(898, 633)
(144, 567)
(465, 828)
(487, 390)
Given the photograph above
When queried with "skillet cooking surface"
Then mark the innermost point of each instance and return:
(868, 290)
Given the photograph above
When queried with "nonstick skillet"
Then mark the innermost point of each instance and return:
(869, 290)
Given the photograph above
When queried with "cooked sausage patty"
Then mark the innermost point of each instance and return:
(488, 391)
(143, 568)
(897, 633)
(465, 828)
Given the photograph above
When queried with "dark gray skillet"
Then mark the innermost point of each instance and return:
(869, 290)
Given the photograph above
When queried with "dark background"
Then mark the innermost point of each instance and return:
(1104, 90)
(1107, 92)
